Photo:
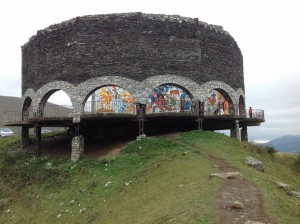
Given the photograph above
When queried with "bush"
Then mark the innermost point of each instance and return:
(296, 164)
(271, 150)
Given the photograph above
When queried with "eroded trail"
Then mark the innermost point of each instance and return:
(238, 190)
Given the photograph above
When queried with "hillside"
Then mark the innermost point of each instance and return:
(154, 180)
(287, 143)
(9, 103)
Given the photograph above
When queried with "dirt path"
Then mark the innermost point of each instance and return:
(241, 190)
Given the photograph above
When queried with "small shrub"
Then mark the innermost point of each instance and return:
(271, 150)
(296, 164)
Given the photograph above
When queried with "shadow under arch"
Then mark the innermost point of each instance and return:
(108, 98)
(26, 108)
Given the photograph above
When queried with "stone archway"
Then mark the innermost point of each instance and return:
(186, 84)
(109, 99)
(169, 97)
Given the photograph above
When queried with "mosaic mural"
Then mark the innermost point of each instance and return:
(168, 98)
(216, 104)
(114, 99)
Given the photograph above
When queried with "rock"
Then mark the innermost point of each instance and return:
(295, 193)
(141, 137)
(237, 205)
(253, 222)
(287, 189)
(48, 166)
(229, 175)
(281, 185)
(255, 163)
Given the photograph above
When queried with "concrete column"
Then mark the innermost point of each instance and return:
(25, 137)
(77, 147)
(244, 133)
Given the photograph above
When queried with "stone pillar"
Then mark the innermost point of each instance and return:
(235, 131)
(77, 143)
(77, 147)
(25, 137)
(244, 133)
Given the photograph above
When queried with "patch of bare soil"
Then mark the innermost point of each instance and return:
(240, 190)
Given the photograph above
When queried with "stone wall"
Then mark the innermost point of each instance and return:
(138, 47)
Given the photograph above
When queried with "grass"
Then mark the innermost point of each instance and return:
(154, 180)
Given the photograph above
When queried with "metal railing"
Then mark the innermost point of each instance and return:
(165, 106)
(105, 106)
(256, 114)
(119, 106)
(12, 117)
(50, 111)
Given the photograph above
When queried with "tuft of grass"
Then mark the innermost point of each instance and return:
(296, 164)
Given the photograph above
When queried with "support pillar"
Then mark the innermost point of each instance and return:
(38, 141)
(77, 143)
(235, 131)
(244, 133)
(199, 111)
(141, 117)
(25, 137)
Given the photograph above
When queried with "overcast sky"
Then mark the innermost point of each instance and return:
(267, 32)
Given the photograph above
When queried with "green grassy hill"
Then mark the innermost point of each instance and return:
(10, 103)
(154, 180)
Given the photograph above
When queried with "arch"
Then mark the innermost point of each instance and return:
(227, 92)
(109, 99)
(190, 86)
(167, 98)
(43, 94)
(85, 89)
(26, 108)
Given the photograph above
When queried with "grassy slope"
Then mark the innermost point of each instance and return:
(154, 180)
(10, 103)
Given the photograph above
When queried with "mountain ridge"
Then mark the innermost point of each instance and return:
(286, 143)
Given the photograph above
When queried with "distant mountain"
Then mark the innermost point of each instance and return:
(287, 143)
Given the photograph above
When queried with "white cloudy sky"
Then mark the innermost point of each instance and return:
(267, 32)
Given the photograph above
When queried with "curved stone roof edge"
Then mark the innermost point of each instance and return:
(124, 16)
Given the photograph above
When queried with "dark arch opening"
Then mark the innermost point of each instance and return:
(26, 108)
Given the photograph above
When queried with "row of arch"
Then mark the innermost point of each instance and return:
(139, 90)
